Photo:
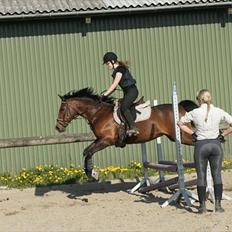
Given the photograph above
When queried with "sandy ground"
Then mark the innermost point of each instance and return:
(106, 207)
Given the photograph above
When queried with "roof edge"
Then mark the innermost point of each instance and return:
(131, 10)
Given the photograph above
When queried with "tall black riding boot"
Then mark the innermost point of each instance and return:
(202, 208)
(201, 191)
(218, 207)
(218, 188)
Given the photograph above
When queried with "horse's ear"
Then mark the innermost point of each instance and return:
(61, 97)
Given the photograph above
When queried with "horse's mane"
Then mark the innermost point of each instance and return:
(188, 105)
(88, 93)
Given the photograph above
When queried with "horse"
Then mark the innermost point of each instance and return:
(99, 114)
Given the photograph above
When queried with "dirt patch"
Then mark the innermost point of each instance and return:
(106, 207)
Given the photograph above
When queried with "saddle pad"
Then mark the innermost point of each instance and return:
(144, 109)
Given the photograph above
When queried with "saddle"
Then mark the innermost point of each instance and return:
(140, 111)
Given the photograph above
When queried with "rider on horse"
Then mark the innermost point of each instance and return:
(123, 78)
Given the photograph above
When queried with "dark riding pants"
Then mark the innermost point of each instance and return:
(130, 94)
(208, 150)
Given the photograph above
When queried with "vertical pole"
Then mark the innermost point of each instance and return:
(159, 150)
(144, 159)
(145, 179)
(180, 165)
(209, 188)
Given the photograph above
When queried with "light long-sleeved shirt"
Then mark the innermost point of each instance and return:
(210, 128)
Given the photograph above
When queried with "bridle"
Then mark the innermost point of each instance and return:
(68, 111)
(71, 111)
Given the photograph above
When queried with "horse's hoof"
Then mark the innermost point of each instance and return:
(95, 175)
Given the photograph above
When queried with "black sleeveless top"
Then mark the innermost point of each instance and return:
(127, 80)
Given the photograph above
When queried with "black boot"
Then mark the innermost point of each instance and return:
(202, 208)
(218, 188)
(201, 191)
(121, 136)
(218, 207)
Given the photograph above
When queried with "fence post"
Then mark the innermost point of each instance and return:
(180, 167)
(159, 151)
(145, 179)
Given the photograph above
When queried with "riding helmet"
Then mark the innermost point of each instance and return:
(109, 56)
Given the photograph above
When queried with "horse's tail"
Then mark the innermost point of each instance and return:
(188, 105)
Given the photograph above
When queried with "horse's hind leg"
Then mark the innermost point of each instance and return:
(94, 147)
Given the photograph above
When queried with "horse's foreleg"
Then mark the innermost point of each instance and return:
(94, 147)
(88, 162)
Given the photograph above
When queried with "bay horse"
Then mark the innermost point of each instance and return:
(99, 114)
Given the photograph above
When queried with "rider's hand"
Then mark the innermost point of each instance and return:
(103, 97)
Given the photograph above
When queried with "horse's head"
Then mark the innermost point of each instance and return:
(65, 115)
(75, 103)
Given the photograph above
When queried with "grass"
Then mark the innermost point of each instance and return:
(53, 175)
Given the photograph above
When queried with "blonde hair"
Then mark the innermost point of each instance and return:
(204, 96)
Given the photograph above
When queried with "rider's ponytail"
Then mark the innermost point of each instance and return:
(204, 96)
(124, 63)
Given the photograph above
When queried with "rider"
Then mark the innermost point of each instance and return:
(123, 78)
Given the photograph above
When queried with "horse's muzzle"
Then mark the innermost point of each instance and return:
(60, 125)
(60, 128)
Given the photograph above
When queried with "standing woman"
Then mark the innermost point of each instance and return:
(123, 78)
(208, 147)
